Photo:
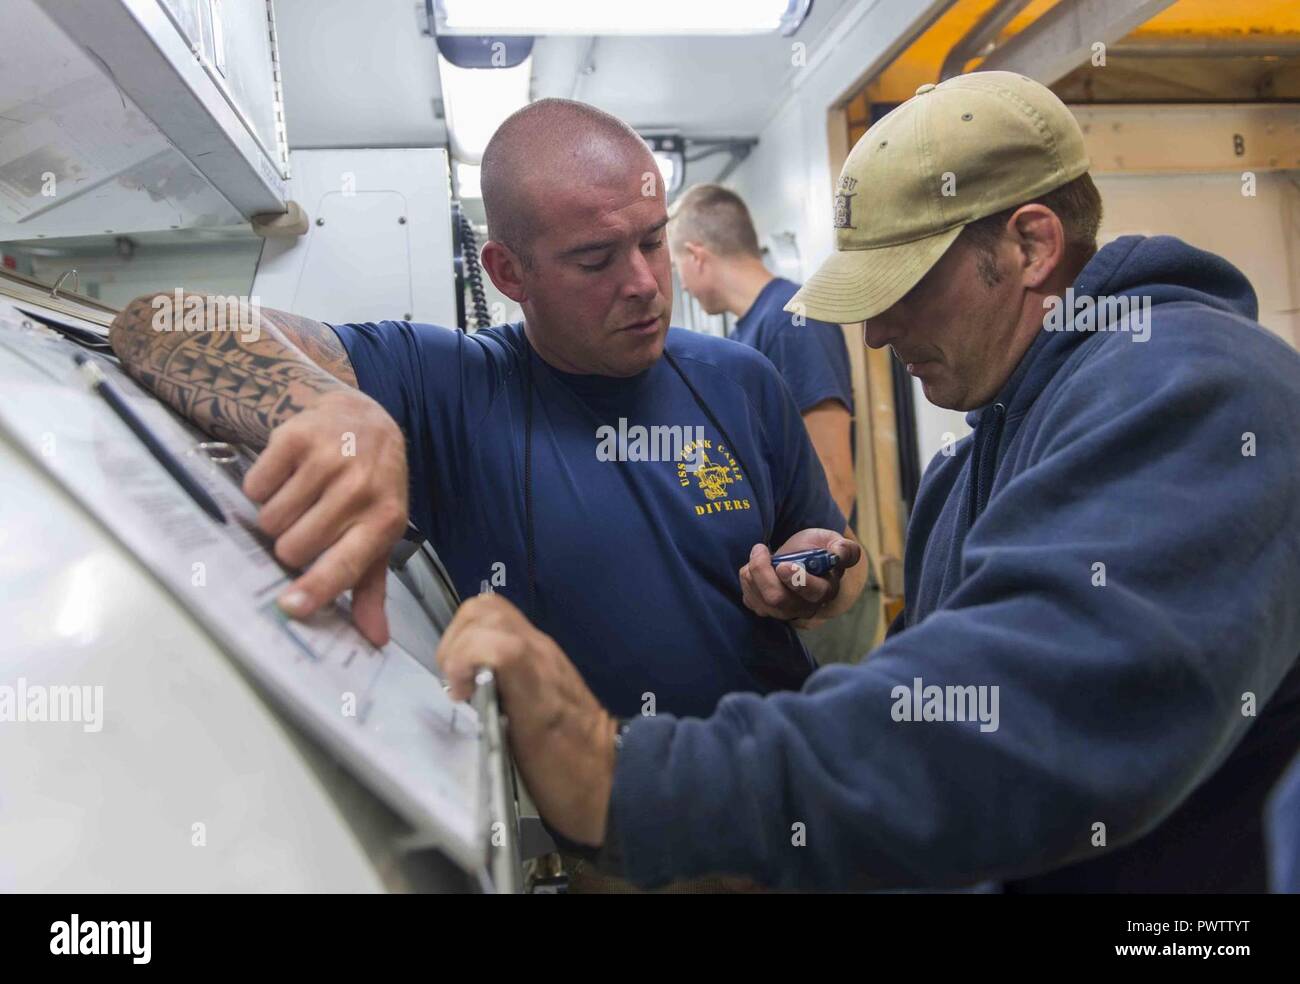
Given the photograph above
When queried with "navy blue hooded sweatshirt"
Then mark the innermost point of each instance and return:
(1283, 826)
(1145, 707)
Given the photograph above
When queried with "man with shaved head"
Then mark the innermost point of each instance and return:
(625, 484)
(563, 184)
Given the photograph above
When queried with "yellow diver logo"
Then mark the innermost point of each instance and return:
(713, 479)
(710, 477)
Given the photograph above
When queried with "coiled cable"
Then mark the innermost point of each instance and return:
(473, 273)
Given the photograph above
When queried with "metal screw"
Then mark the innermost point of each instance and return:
(401, 220)
(320, 222)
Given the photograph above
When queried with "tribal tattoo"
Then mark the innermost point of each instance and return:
(239, 382)
(315, 340)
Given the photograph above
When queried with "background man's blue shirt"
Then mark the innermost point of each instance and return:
(637, 561)
(811, 357)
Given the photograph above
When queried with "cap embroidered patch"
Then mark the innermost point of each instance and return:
(844, 203)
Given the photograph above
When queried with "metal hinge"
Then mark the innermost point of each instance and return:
(281, 134)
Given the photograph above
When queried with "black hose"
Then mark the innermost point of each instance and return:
(473, 273)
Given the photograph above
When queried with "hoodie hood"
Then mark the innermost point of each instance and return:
(1162, 268)
(1166, 269)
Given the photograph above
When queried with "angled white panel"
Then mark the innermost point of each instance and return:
(142, 128)
(359, 261)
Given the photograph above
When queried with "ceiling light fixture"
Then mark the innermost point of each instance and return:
(603, 17)
(484, 80)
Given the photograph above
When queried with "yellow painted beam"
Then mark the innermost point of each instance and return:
(921, 61)
(1219, 17)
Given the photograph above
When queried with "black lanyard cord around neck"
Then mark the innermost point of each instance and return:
(530, 541)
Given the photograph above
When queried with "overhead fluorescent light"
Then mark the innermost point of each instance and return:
(477, 100)
(649, 17)
(668, 168)
(468, 180)
(670, 154)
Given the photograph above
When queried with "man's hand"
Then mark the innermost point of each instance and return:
(332, 475)
(787, 592)
(562, 739)
(332, 484)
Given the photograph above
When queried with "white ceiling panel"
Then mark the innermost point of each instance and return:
(700, 86)
(359, 73)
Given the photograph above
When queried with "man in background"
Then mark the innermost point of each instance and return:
(715, 249)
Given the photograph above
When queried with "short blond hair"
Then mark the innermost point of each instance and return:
(716, 218)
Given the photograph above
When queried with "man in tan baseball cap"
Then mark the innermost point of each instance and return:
(957, 153)
(1093, 685)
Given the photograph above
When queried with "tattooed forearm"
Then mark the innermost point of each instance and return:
(237, 381)
(316, 341)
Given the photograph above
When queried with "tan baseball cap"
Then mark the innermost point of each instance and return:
(953, 153)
